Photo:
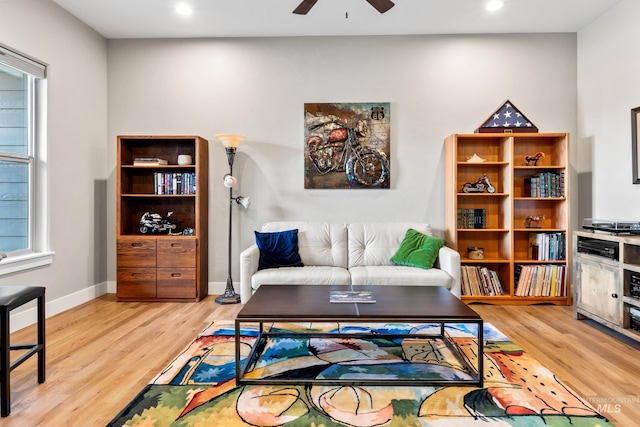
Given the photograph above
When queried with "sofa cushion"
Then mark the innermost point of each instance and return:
(278, 249)
(417, 250)
(399, 275)
(307, 275)
(322, 244)
(374, 243)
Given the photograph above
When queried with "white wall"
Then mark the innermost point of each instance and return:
(77, 145)
(608, 88)
(437, 85)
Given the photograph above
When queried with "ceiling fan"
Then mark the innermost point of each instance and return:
(381, 6)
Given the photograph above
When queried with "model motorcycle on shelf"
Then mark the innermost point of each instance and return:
(334, 146)
(479, 186)
(153, 223)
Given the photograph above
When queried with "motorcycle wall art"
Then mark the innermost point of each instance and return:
(347, 145)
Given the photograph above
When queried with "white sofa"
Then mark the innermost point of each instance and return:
(343, 254)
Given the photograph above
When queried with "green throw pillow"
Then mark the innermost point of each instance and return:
(417, 250)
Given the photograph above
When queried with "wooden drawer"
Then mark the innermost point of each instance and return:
(136, 252)
(176, 283)
(136, 283)
(176, 252)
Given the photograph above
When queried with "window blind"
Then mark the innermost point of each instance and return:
(22, 62)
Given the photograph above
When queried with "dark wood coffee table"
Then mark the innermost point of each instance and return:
(400, 304)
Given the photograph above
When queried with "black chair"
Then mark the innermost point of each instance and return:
(12, 297)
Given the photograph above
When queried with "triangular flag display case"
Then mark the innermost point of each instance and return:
(507, 119)
(524, 216)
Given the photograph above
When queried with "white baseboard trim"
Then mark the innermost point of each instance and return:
(30, 316)
(217, 288)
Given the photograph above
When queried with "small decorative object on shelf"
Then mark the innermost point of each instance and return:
(155, 224)
(476, 159)
(533, 160)
(479, 186)
(185, 159)
(474, 252)
(533, 221)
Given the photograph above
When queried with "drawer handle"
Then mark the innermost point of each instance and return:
(614, 295)
(176, 274)
(136, 244)
(175, 245)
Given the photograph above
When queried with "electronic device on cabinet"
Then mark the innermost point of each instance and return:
(613, 227)
(602, 248)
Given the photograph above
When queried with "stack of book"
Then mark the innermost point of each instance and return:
(545, 184)
(479, 281)
(540, 280)
(149, 161)
(174, 183)
(472, 218)
(547, 246)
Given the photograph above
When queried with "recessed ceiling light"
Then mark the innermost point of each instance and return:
(495, 5)
(184, 9)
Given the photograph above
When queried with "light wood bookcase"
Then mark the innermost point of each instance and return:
(161, 267)
(506, 237)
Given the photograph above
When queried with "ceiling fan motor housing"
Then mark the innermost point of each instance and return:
(381, 6)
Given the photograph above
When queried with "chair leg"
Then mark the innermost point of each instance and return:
(41, 340)
(5, 364)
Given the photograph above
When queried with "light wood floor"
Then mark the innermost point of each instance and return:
(100, 354)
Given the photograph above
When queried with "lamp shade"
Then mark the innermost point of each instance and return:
(243, 201)
(229, 180)
(229, 140)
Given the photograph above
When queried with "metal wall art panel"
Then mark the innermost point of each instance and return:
(347, 145)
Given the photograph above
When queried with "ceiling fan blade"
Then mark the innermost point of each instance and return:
(381, 5)
(304, 7)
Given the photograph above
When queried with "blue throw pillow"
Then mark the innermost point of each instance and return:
(278, 249)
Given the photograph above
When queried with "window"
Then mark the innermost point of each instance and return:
(22, 207)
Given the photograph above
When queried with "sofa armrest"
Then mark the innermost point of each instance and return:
(249, 259)
(449, 261)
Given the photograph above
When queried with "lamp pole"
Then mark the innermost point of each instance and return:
(230, 143)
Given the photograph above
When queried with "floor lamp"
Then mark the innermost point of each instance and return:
(230, 143)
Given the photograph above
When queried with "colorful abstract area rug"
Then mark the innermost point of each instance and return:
(198, 388)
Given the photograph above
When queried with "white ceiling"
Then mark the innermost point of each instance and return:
(264, 18)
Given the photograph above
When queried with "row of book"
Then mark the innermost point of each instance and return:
(174, 183)
(540, 280)
(545, 184)
(479, 281)
(547, 246)
(472, 218)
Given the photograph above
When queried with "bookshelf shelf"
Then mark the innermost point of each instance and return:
(482, 230)
(505, 238)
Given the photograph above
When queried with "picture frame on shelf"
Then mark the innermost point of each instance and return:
(635, 152)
